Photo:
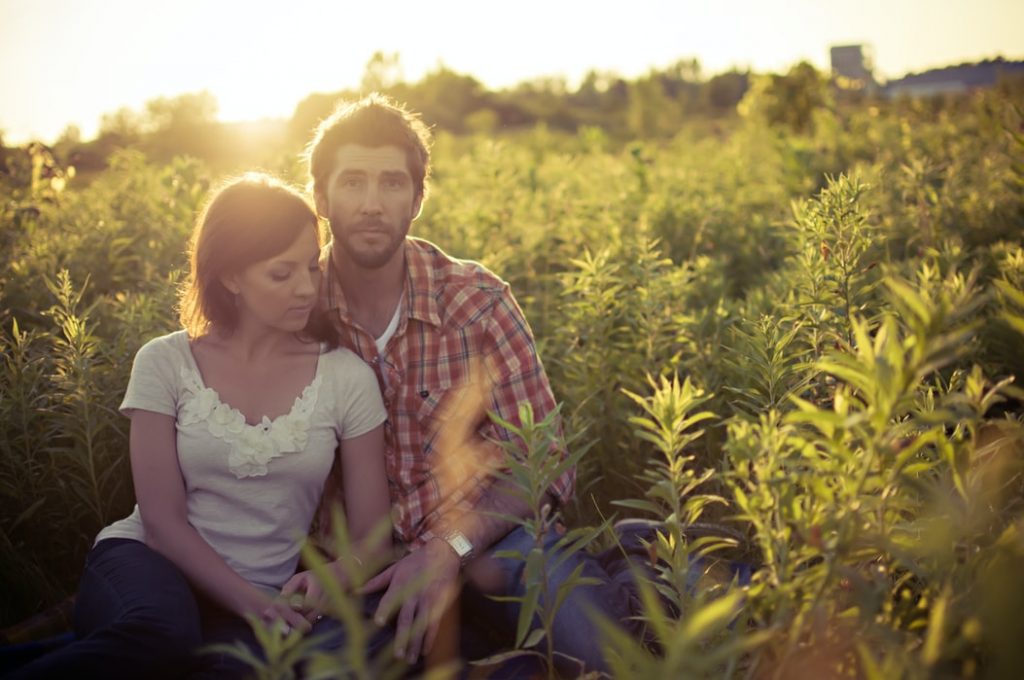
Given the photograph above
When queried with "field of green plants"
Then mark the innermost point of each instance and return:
(807, 335)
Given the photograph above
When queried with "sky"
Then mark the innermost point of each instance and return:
(66, 62)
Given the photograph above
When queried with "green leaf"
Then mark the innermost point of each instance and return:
(638, 504)
(25, 515)
(533, 639)
(932, 650)
(712, 616)
(868, 664)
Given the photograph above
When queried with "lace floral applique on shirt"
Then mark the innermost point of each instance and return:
(252, 446)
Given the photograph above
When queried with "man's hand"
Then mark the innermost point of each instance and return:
(421, 585)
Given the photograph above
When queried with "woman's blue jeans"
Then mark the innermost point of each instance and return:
(136, 615)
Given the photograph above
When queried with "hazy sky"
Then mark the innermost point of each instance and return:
(70, 61)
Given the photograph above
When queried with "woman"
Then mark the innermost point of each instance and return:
(234, 425)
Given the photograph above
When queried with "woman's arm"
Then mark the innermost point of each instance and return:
(367, 504)
(367, 501)
(160, 492)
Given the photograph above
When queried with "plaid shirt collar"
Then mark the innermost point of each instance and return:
(419, 284)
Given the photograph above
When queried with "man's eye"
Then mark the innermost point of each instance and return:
(280, 276)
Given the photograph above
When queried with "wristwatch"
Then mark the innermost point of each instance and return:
(459, 543)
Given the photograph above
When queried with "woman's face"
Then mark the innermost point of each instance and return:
(281, 291)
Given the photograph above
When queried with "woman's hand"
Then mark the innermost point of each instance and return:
(306, 585)
(280, 612)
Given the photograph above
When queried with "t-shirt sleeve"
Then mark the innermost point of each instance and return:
(152, 386)
(357, 395)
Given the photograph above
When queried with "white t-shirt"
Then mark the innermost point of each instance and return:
(251, 490)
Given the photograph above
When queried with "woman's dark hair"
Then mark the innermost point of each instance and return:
(247, 220)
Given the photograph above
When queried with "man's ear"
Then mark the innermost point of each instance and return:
(321, 203)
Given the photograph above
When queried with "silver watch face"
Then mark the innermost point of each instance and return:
(459, 543)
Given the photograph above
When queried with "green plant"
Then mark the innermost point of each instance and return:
(531, 470)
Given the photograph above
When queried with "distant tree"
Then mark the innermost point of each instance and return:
(509, 110)
(310, 111)
(181, 112)
(685, 70)
(726, 90)
(601, 100)
(71, 136)
(4, 153)
(446, 98)
(183, 125)
(652, 112)
(788, 100)
(123, 127)
(67, 146)
(592, 90)
(382, 73)
(545, 99)
(483, 121)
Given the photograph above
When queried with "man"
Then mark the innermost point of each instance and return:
(434, 329)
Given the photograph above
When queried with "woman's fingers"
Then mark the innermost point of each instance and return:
(297, 620)
(290, 617)
(294, 584)
(282, 614)
(314, 602)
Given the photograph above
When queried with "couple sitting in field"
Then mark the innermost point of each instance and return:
(293, 355)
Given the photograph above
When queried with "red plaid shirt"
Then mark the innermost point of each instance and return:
(455, 315)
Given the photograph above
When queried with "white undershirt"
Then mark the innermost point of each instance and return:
(382, 341)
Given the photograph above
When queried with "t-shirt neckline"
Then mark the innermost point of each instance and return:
(303, 394)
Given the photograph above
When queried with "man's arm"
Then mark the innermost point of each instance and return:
(511, 374)
(471, 447)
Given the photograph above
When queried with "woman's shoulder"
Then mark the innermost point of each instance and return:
(341, 358)
(345, 370)
(171, 347)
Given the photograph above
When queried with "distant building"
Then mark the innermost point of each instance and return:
(852, 67)
(954, 79)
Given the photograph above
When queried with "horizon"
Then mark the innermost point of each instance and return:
(259, 62)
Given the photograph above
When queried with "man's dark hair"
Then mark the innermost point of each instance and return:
(375, 120)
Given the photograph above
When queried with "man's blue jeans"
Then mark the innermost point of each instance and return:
(575, 633)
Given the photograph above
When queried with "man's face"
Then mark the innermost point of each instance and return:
(370, 202)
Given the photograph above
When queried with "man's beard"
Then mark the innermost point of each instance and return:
(367, 257)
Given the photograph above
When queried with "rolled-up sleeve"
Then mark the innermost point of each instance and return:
(518, 377)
